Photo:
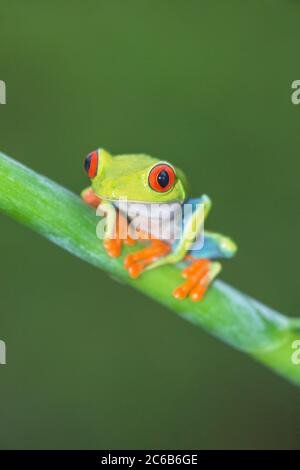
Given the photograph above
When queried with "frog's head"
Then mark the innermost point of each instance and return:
(138, 178)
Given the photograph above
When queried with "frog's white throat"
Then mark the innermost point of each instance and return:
(163, 221)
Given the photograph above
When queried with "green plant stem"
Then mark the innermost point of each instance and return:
(230, 315)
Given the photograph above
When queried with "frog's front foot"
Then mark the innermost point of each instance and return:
(90, 197)
(113, 246)
(198, 276)
(137, 262)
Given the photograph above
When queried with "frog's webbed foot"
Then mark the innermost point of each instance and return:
(137, 262)
(113, 246)
(198, 276)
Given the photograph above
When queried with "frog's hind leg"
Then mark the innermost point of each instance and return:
(198, 276)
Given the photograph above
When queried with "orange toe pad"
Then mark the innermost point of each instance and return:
(113, 247)
(135, 263)
(196, 283)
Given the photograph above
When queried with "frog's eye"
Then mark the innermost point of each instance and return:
(161, 177)
(91, 164)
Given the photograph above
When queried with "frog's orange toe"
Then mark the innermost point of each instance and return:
(113, 247)
(198, 292)
(195, 285)
(135, 269)
(129, 261)
(179, 293)
(135, 263)
(196, 268)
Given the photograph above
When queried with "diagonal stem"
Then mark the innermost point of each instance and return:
(232, 316)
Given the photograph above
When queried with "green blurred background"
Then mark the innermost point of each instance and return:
(207, 85)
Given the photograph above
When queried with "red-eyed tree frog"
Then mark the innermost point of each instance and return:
(142, 179)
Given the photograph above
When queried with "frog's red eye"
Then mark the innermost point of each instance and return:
(91, 164)
(162, 177)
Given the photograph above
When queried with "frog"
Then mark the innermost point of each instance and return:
(146, 181)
